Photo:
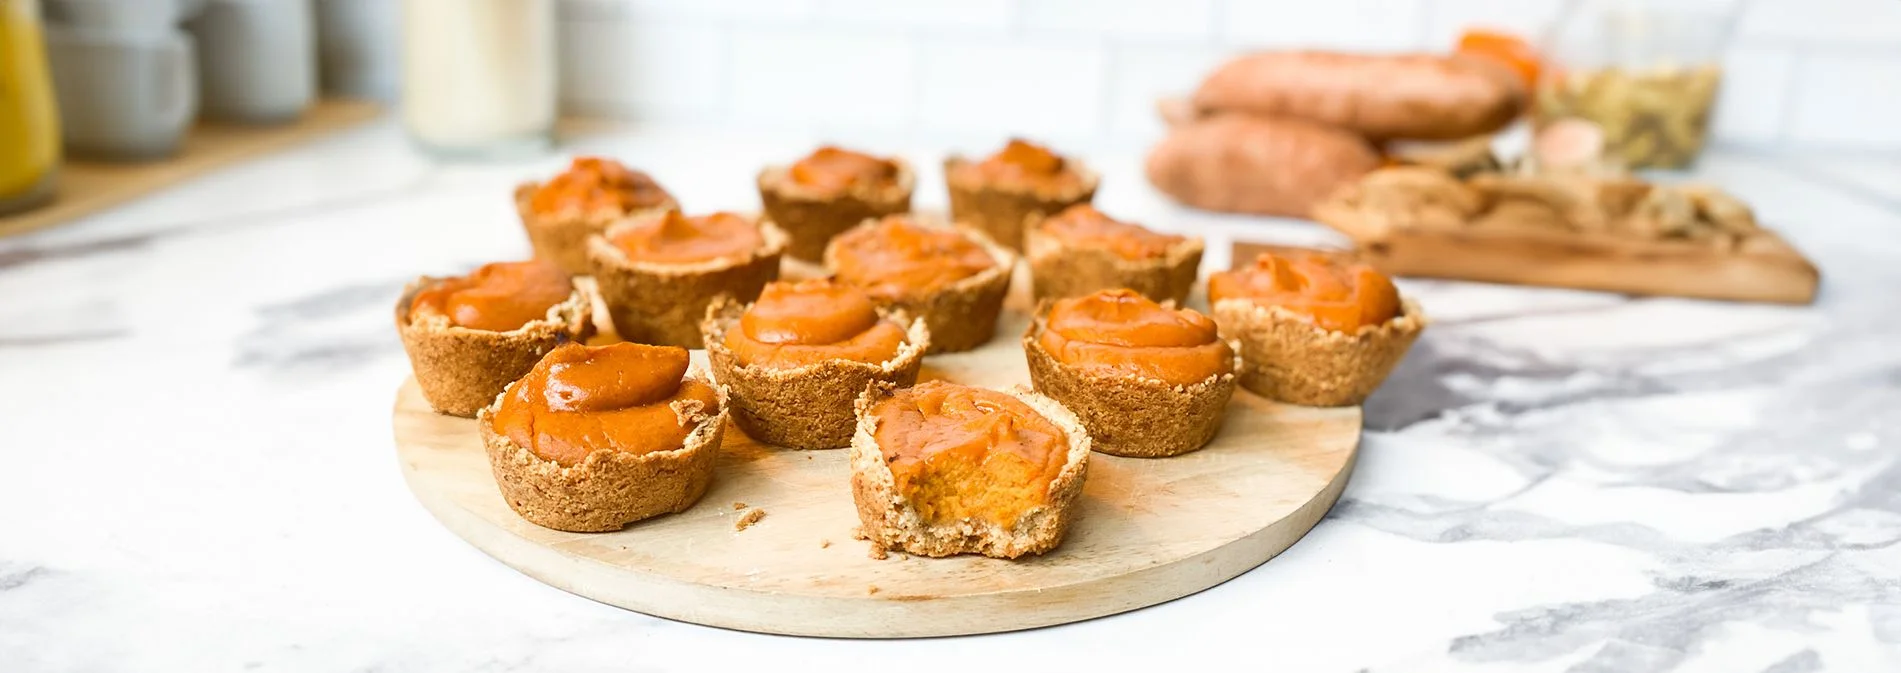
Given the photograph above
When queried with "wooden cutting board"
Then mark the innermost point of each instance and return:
(1150, 530)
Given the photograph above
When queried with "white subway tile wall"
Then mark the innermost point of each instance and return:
(1799, 73)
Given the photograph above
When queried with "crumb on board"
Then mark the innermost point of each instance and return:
(824, 544)
(871, 589)
(739, 505)
(878, 552)
(751, 517)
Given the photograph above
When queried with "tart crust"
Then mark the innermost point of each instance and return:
(1001, 212)
(810, 406)
(963, 315)
(810, 220)
(1130, 416)
(891, 523)
(562, 237)
(663, 304)
(609, 489)
(1287, 358)
(1058, 271)
(460, 369)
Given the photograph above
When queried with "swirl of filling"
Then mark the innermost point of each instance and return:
(897, 258)
(1082, 225)
(1121, 333)
(811, 321)
(497, 297)
(957, 452)
(1337, 295)
(1024, 164)
(621, 397)
(831, 171)
(674, 238)
(594, 184)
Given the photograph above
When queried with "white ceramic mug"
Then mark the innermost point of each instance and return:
(122, 96)
(125, 17)
(257, 59)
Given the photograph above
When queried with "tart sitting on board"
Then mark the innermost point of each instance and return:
(952, 277)
(829, 191)
(1081, 250)
(467, 337)
(998, 194)
(594, 192)
(598, 437)
(659, 272)
(796, 360)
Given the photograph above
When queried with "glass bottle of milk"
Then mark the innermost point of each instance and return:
(479, 76)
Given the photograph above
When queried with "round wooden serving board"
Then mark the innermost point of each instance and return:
(1150, 530)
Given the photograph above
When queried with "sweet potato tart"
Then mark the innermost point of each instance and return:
(832, 190)
(998, 194)
(598, 437)
(1146, 380)
(1316, 328)
(658, 273)
(940, 469)
(1081, 250)
(593, 193)
(953, 277)
(796, 360)
(468, 337)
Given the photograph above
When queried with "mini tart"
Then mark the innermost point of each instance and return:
(809, 406)
(663, 304)
(1059, 270)
(1131, 416)
(1001, 211)
(460, 370)
(1287, 358)
(963, 316)
(810, 218)
(889, 522)
(563, 237)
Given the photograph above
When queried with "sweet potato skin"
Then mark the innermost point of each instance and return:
(1379, 96)
(1260, 165)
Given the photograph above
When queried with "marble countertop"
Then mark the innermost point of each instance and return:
(198, 472)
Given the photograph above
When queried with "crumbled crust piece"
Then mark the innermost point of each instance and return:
(751, 517)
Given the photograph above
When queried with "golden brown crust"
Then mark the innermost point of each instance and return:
(663, 304)
(562, 237)
(460, 370)
(811, 220)
(1287, 358)
(962, 316)
(807, 407)
(1058, 271)
(890, 523)
(1000, 212)
(1126, 415)
(609, 489)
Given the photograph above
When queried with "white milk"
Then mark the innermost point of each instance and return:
(479, 75)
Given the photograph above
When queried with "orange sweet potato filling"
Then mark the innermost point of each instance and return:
(594, 184)
(1083, 226)
(812, 321)
(497, 297)
(620, 397)
(897, 258)
(1337, 295)
(1121, 333)
(958, 452)
(833, 170)
(1024, 163)
(678, 239)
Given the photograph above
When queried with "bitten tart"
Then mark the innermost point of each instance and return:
(796, 360)
(998, 194)
(952, 277)
(659, 272)
(594, 192)
(1315, 328)
(467, 337)
(1081, 250)
(598, 437)
(829, 191)
(1147, 380)
(940, 469)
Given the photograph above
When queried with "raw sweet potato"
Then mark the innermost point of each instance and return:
(1380, 96)
(1263, 165)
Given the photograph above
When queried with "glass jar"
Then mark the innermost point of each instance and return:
(29, 119)
(1645, 72)
(479, 76)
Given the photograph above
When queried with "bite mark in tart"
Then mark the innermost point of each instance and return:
(467, 337)
(953, 278)
(829, 191)
(1147, 380)
(940, 469)
(594, 192)
(1315, 328)
(658, 273)
(796, 360)
(998, 194)
(597, 437)
(1081, 250)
